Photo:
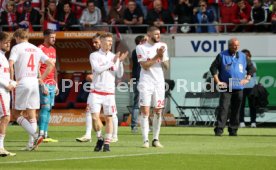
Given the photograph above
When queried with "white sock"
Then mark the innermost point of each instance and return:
(99, 134)
(88, 121)
(26, 125)
(33, 123)
(115, 127)
(2, 137)
(107, 138)
(145, 127)
(41, 133)
(156, 125)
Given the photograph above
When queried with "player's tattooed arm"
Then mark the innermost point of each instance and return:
(11, 62)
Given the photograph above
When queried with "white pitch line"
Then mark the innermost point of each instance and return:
(129, 155)
(83, 158)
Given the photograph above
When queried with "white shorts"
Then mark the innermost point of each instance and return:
(4, 104)
(151, 94)
(26, 94)
(96, 101)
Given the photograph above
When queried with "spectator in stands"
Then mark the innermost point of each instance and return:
(3, 5)
(100, 5)
(213, 4)
(77, 6)
(139, 4)
(247, 91)
(205, 16)
(184, 13)
(116, 14)
(273, 17)
(227, 11)
(51, 13)
(242, 16)
(136, 68)
(266, 5)
(91, 16)
(29, 17)
(8, 17)
(19, 6)
(110, 3)
(150, 6)
(258, 16)
(39, 5)
(231, 71)
(133, 16)
(60, 4)
(159, 16)
(67, 18)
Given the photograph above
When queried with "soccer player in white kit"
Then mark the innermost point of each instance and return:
(153, 57)
(96, 45)
(6, 85)
(24, 61)
(105, 65)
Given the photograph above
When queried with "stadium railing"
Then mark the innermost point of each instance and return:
(167, 26)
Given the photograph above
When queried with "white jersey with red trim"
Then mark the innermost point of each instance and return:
(26, 58)
(4, 72)
(146, 52)
(104, 71)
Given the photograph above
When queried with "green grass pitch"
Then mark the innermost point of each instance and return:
(185, 148)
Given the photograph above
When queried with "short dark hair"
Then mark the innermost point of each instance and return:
(97, 35)
(48, 32)
(247, 51)
(4, 36)
(138, 39)
(90, 1)
(152, 28)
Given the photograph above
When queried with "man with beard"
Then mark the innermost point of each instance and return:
(153, 58)
(48, 86)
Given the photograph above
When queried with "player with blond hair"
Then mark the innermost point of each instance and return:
(24, 61)
(105, 66)
(6, 85)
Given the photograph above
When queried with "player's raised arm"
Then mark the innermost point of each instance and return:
(97, 67)
(148, 63)
(119, 64)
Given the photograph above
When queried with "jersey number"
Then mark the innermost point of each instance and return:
(160, 103)
(31, 62)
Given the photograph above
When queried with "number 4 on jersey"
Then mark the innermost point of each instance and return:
(31, 62)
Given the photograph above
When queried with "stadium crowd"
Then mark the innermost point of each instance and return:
(209, 15)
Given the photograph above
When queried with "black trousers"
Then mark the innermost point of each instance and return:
(229, 100)
(252, 108)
